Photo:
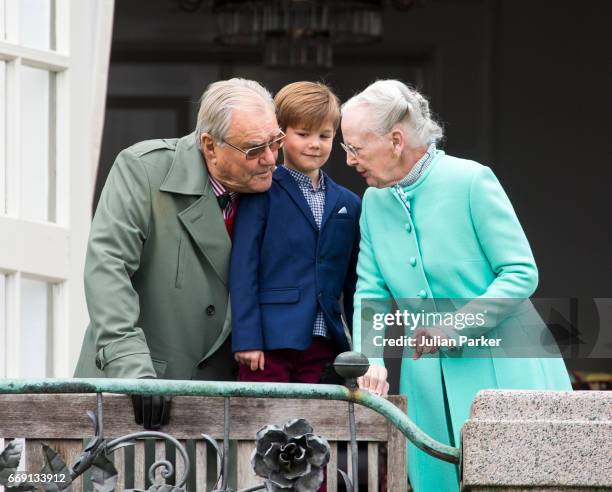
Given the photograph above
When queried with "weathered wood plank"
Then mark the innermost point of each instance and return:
(397, 472)
(33, 454)
(63, 416)
(119, 462)
(372, 467)
(328, 418)
(68, 449)
(349, 460)
(332, 468)
(160, 454)
(139, 464)
(179, 466)
(201, 466)
(219, 461)
(246, 475)
(2, 448)
(46, 416)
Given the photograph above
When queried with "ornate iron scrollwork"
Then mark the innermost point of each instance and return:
(95, 456)
(289, 459)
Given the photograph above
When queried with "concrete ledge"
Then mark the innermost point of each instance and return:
(538, 440)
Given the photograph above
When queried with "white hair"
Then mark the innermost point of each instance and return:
(391, 102)
(222, 97)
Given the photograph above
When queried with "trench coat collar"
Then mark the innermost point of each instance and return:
(188, 174)
(203, 219)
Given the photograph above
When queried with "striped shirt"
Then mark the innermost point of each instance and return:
(315, 197)
(230, 210)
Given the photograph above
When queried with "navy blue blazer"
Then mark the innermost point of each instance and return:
(283, 268)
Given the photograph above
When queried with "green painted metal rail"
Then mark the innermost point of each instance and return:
(234, 389)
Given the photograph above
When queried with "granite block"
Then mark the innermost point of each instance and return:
(538, 440)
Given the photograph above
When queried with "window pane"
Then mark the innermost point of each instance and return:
(36, 328)
(2, 20)
(2, 137)
(36, 20)
(37, 144)
(2, 325)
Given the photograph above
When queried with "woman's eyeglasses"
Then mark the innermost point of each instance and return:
(349, 149)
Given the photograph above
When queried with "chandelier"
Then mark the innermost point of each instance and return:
(297, 33)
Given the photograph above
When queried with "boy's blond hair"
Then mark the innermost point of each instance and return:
(308, 104)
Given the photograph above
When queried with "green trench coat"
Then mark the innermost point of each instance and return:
(461, 239)
(156, 271)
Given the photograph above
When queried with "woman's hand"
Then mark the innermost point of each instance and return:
(427, 341)
(253, 359)
(375, 380)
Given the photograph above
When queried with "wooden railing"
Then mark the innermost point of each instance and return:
(60, 421)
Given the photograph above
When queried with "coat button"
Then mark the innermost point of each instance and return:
(210, 310)
(408, 226)
(422, 294)
(413, 261)
(98, 362)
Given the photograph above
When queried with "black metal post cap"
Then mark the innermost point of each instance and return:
(351, 365)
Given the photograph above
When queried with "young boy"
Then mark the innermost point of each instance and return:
(295, 251)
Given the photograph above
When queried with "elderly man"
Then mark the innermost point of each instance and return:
(156, 272)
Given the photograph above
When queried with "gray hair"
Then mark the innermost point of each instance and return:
(221, 98)
(391, 102)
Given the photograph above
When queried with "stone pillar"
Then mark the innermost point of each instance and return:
(538, 440)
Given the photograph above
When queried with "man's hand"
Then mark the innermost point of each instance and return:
(152, 411)
(375, 380)
(253, 359)
(432, 336)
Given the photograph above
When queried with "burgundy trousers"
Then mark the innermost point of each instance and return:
(293, 366)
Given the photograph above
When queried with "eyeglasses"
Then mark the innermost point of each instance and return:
(255, 152)
(349, 149)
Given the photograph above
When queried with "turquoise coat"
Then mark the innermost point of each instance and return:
(452, 234)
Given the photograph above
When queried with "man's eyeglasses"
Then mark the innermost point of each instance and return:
(349, 149)
(255, 152)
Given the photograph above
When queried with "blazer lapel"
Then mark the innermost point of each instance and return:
(332, 194)
(282, 177)
(203, 219)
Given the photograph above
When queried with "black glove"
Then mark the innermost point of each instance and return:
(152, 411)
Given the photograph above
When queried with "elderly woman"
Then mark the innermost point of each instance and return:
(438, 227)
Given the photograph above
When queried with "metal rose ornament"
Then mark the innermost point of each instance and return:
(291, 458)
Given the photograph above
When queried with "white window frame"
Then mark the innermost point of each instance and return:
(51, 252)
